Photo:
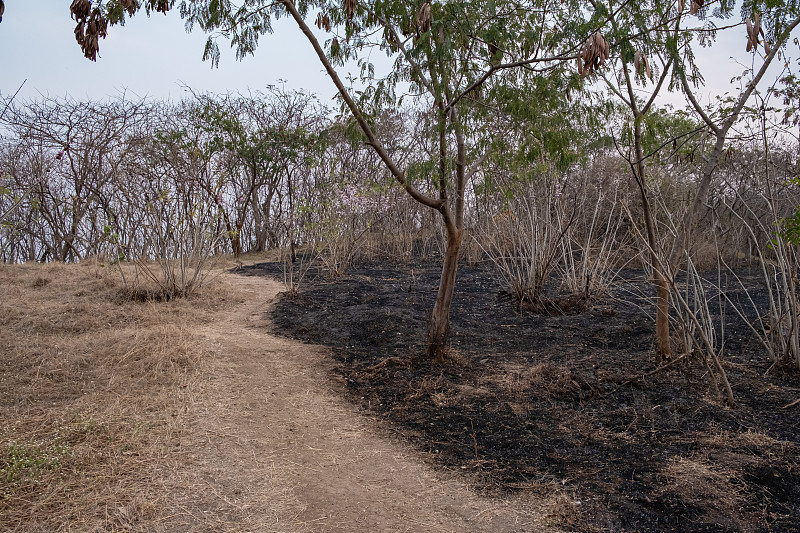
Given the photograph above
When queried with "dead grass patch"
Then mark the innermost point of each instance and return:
(561, 509)
(92, 387)
(545, 380)
(696, 482)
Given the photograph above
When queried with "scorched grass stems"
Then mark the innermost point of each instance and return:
(783, 20)
(522, 241)
(296, 267)
(698, 326)
(779, 330)
(540, 232)
(693, 315)
(592, 273)
(784, 328)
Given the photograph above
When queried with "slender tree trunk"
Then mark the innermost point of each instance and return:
(439, 326)
(259, 227)
(236, 243)
(663, 348)
(258, 223)
(270, 239)
(290, 232)
(261, 224)
(233, 235)
(660, 278)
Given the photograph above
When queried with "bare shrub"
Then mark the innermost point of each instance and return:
(540, 232)
(296, 267)
(778, 330)
(344, 225)
(339, 251)
(177, 254)
(698, 328)
(522, 240)
(590, 256)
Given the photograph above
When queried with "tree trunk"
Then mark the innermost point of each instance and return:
(260, 229)
(259, 224)
(440, 319)
(660, 278)
(233, 237)
(439, 327)
(290, 229)
(663, 349)
(238, 248)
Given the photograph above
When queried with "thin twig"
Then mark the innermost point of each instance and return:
(648, 374)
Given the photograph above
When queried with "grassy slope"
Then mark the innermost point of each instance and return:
(92, 386)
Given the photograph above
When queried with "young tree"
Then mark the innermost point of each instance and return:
(780, 18)
(648, 59)
(633, 72)
(452, 54)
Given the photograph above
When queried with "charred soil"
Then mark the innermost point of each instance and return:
(529, 402)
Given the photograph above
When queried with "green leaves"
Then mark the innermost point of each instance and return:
(789, 230)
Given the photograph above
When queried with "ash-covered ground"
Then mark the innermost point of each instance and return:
(558, 403)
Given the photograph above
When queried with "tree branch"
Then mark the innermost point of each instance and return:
(358, 115)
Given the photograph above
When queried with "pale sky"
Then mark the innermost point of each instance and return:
(155, 57)
(148, 56)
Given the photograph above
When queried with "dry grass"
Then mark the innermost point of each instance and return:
(699, 482)
(561, 508)
(546, 380)
(92, 389)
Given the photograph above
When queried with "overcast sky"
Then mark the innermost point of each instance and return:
(155, 57)
(148, 56)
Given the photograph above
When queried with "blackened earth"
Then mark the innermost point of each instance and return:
(559, 403)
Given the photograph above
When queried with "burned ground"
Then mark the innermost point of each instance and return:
(542, 403)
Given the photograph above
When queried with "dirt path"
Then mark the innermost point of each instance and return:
(272, 446)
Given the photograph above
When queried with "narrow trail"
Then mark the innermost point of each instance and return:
(270, 445)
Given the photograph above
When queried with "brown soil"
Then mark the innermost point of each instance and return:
(253, 433)
(279, 449)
